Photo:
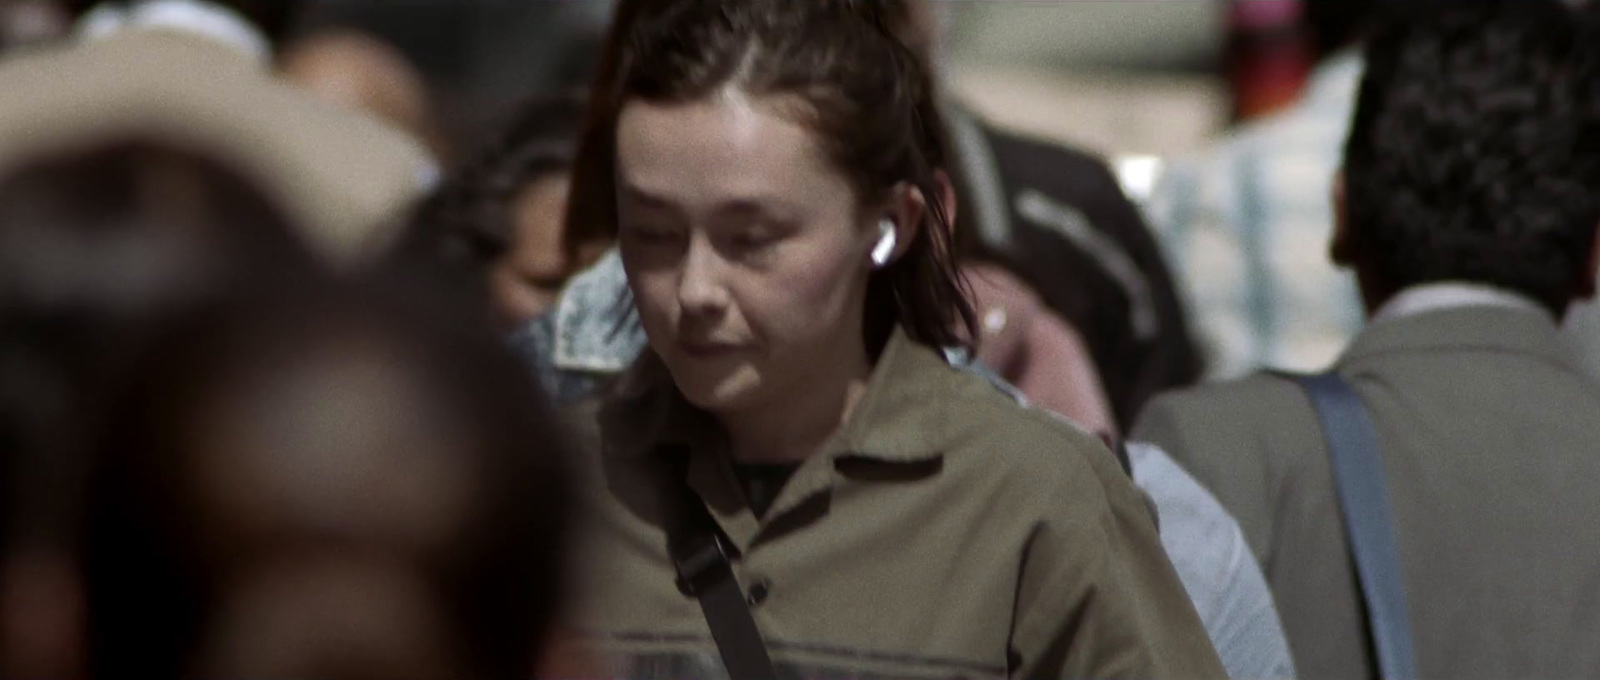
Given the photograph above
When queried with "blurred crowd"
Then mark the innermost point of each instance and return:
(764, 354)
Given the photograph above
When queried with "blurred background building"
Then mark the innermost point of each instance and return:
(1124, 77)
(1131, 77)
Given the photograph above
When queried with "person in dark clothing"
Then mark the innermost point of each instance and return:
(1466, 208)
(1056, 217)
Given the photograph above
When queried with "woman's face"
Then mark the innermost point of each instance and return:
(746, 250)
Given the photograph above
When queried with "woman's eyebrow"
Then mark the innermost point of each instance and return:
(636, 195)
(763, 206)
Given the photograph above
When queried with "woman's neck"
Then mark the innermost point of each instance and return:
(791, 429)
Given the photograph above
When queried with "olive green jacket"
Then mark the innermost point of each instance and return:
(944, 531)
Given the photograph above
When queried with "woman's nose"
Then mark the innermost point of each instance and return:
(700, 287)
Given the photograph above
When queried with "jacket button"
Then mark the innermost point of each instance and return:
(758, 592)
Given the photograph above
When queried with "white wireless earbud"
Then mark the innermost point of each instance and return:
(886, 243)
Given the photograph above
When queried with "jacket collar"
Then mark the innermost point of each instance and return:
(1481, 328)
(1445, 295)
(899, 421)
(596, 328)
(1335, 82)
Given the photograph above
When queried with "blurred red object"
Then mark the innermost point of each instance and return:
(1269, 55)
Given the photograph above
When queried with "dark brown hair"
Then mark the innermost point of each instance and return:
(1474, 152)
(869, 99)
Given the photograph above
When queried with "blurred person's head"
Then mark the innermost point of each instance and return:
(503, 214)
(772, 173)
(94, 244)
(335, 481)
(362, 72)
(1474, 154)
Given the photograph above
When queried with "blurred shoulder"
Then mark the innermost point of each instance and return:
(1242, 397)
(1236, 415)
(1244, 440)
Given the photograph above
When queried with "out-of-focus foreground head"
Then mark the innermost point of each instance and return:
(94, 244)
(123, 227)
(337, 481)
(362, 72)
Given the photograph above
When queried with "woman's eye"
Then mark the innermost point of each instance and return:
(748, 241)
(753, 240)
(650, 236)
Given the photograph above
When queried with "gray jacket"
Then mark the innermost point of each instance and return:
(1488, 434)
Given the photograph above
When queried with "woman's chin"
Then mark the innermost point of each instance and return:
(720, 393)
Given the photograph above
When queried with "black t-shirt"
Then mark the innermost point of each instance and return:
(762, 482)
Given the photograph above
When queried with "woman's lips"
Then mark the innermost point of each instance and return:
(708, 350)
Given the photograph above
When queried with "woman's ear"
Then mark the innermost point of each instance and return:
(907, 209)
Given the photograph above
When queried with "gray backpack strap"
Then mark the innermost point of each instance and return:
(1358, 475)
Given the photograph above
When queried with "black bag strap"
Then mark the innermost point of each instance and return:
(703, 559)
(1358, 475)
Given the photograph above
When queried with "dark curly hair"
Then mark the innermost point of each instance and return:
(1474, 154)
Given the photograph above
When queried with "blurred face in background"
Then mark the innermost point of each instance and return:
(363, 72)
(746, 249)
(527, 278)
